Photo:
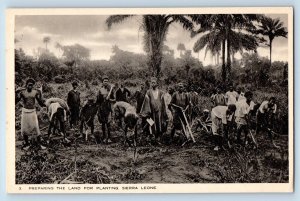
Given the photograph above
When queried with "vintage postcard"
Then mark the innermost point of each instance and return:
(149, 100)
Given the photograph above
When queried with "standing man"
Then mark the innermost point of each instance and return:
(139, 97)
(231, 96)
(104, 101)
(242, 118)
(154, 109)
(29, 120)
(179, 103)
(241, 94)
(194, 101)
(168, 98)
(122, 94)
(218, 98)
(265, 116)
(73, 101)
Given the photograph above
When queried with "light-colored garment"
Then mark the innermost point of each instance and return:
(62, 103)
(155, 93)
(168, 98)
(155, 108)
(52, 109)
(265, 107)
(231, 97)
(218, 117)
(29, 122)
(129, 109)
(216, 124)
(241, 96)
(243, 109)
(220, 112)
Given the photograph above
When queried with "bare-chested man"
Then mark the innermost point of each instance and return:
(29, 120)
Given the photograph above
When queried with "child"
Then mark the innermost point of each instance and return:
(87, 115)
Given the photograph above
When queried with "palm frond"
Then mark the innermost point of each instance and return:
(184, 21)
(115, 19)
(201, 42)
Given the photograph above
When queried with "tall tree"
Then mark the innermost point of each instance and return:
(224, 32)
(46, 40)
(271, 28)
(155, 29)
(75, 54)
(181, 48)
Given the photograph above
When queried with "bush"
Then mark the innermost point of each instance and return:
(59, 79)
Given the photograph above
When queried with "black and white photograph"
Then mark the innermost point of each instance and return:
(143, 98)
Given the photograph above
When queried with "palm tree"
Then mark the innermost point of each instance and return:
(46, 40)
(271, 28)
(224, 32)
(155, 29)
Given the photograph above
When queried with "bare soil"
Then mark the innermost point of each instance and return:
(154, 163)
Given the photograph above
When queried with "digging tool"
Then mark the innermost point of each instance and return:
(186, 121)
(253, 139)
(277, 134)
(273, 133)
(108, 95)
(86, 128)
(184, 129)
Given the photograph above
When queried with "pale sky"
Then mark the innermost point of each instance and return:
(91, 32)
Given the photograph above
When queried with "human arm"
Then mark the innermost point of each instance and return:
(18, 96)
(39, 99)
(128, 92)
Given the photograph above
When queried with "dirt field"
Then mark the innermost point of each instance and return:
(115, 163)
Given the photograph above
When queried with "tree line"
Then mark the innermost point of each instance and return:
(220, 33)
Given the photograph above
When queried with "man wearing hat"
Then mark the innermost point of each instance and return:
(29, 120)
(73, 101)
(154, 109)
(104, 99)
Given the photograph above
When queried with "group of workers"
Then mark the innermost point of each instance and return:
(156, 109)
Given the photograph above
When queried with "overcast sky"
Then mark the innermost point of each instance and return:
(91, 32)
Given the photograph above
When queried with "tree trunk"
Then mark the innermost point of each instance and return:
(155, 57)
(228, 64)
(223, 61)
(270, 54)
